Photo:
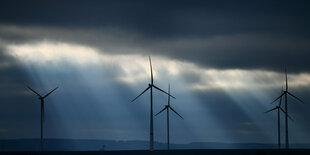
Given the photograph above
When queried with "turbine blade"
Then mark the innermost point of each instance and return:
(151, 70)
(290, 117)
(282, 110)
(141, 93)
(168, 95)
(286, 80)
(34, 91)
(271, 109)
(169, 88)
(295, 97)
(287, 114)
(50, 92)
(277, 98)
(281, 97)
(176, 112)
(161, 111)
(43, 113)
(163, 91)
(282, 89)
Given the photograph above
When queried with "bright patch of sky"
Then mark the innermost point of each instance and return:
(136, 67)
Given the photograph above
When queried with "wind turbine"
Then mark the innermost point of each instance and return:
(151, 86)
(167, 107)
(278, 108)
(41, 98)
(286, 93)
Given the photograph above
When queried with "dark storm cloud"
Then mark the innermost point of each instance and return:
(226, 34)
(162, 17)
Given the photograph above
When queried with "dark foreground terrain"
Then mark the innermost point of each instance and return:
(175, 152)
(112, 145)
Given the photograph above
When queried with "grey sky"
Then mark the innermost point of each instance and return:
(268, 35)
(225, 61)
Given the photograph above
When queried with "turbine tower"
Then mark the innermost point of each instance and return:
(151, 86)
(41, 98)
(278, 108)
(286, 93)
(167, 107)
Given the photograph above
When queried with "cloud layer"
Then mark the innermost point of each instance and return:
(247, 35)
(225, 62)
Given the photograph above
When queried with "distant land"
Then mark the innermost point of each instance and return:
(111, 145)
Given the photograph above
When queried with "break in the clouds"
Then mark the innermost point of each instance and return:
(224, 61)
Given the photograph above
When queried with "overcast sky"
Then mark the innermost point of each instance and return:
(225, 62)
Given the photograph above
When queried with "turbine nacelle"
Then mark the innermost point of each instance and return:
(167, 107)
(279, 108)
(42, 111)
(150, 86)
(284, 93)
(287, 93)
(42, 97)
